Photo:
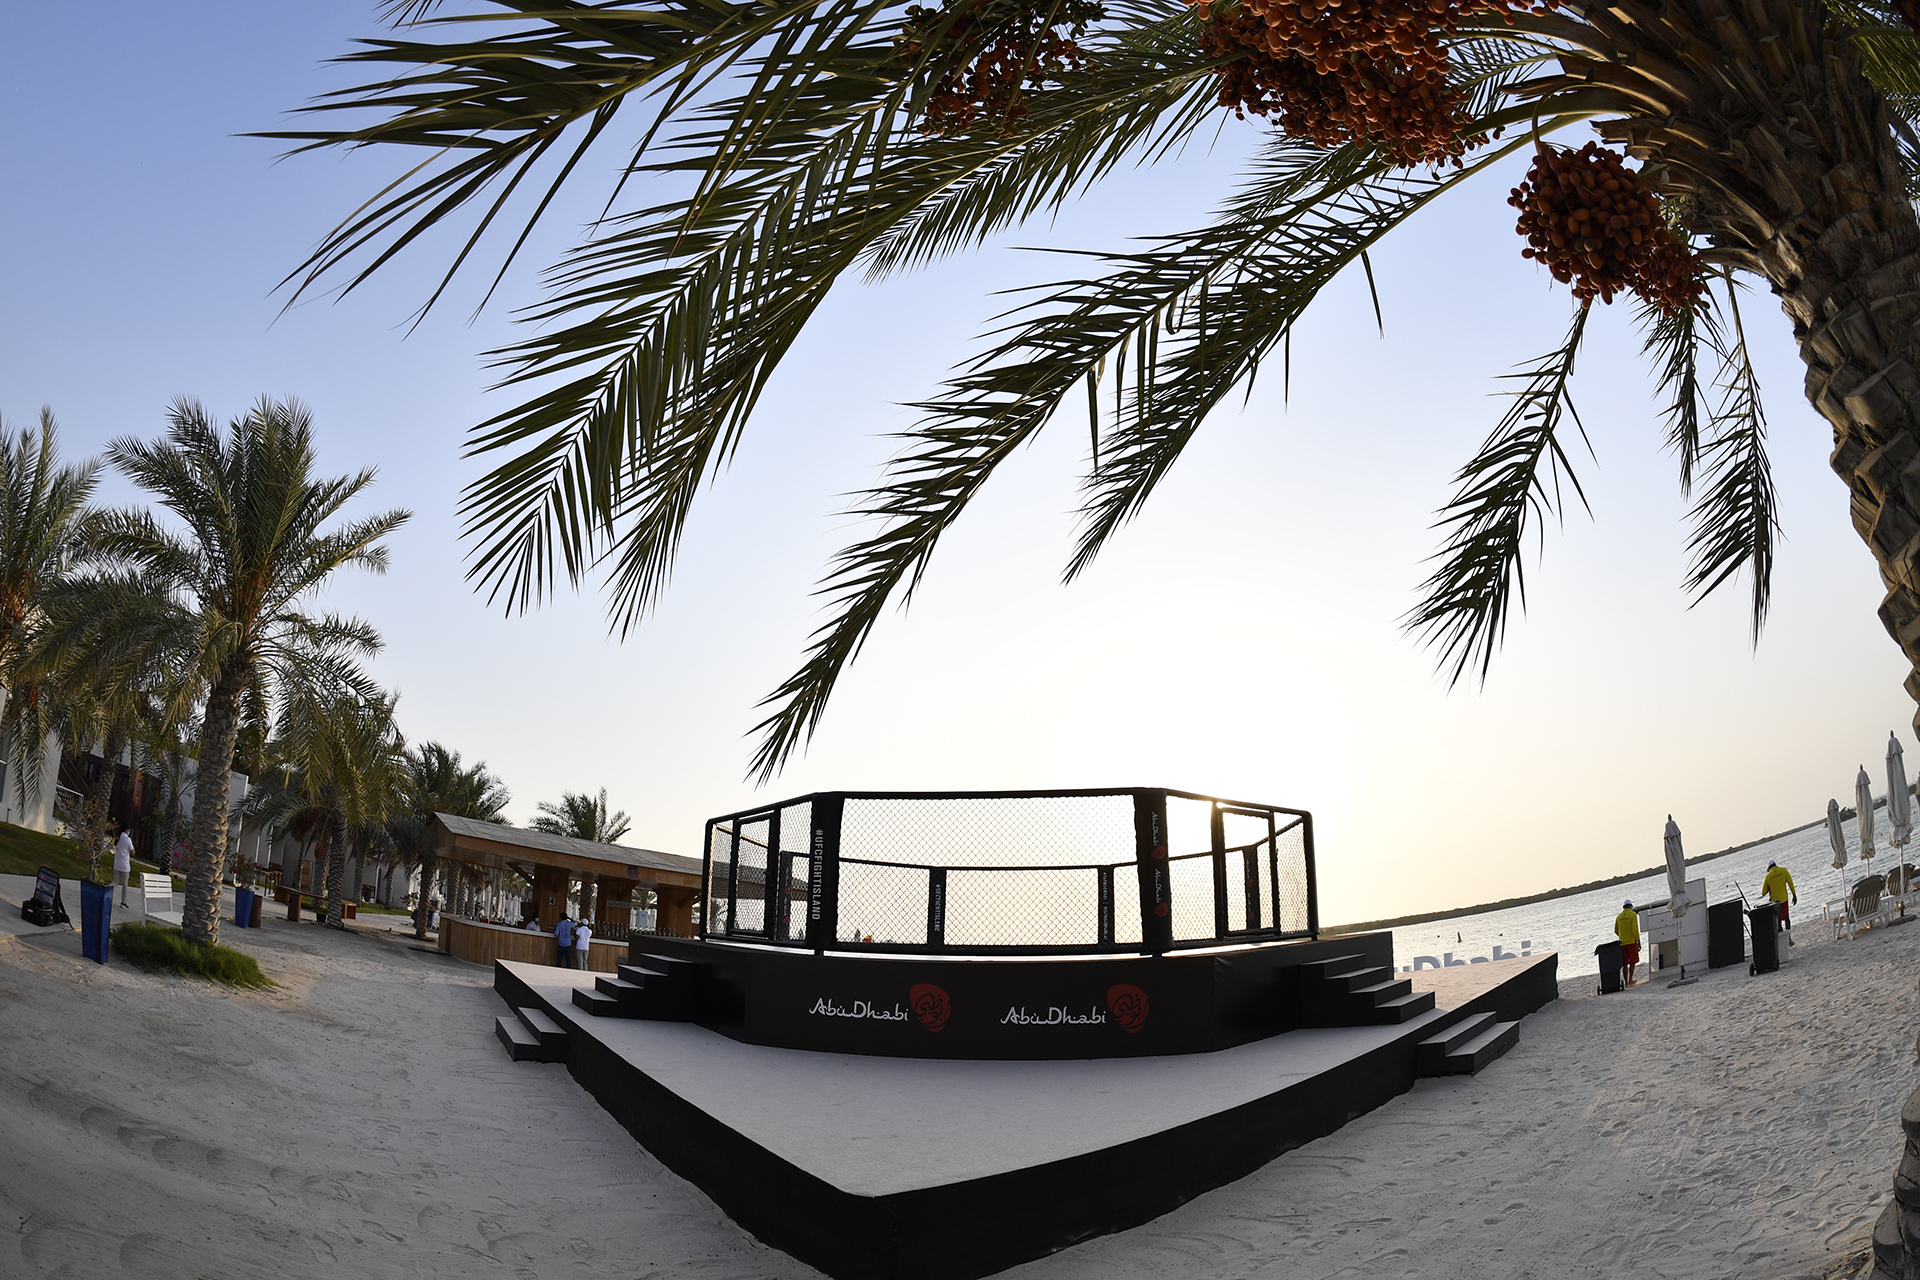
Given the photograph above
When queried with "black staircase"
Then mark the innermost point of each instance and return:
(1347, 992)
(658, 988)
(1466, 1046)
(531, 1036)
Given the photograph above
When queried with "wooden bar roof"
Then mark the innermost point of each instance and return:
(492, 844)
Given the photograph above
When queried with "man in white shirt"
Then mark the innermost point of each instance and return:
(122, 862)
(533, 924)
(582, 939)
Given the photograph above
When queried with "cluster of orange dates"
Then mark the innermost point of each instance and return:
(1598, 226)
(1333, 71)
(987, 54)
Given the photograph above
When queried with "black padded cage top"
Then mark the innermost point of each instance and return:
(1009, 872)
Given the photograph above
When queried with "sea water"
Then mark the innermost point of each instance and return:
(1576, 924)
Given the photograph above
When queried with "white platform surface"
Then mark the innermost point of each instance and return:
(879, 1126)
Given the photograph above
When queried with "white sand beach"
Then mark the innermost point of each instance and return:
(363, 1116)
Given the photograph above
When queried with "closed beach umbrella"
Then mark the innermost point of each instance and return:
(1838, 840)
(1899, 802)
(1863, 801)
(1676, 871)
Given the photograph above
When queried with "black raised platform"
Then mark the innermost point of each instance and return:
(1008, 1008)
(878, 1168)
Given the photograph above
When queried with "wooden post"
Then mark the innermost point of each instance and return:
(612, 889)
(549, 895)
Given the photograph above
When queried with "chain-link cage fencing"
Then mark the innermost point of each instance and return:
(1035, 872)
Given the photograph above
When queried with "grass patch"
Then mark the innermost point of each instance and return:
(24, 852)
(381, 909)
(158, 948)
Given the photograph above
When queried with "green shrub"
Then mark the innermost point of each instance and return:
(158, 948)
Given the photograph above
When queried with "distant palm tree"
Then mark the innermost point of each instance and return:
(344, 767)
(110, 675)
(232, 585)
(771, 152)
(583, 817)
(437, 782)
(45, 521)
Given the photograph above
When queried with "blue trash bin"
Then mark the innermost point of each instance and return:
(96, 919)
(243, 907)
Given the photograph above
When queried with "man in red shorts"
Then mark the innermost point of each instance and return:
(1777, 886)
(1626, 927)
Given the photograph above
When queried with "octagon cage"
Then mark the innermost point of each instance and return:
(1009, 872)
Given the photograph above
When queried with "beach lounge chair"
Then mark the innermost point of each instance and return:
(1865, 902)
(156, 899)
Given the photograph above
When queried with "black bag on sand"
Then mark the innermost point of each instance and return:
(1765, 923)
(1610, 965)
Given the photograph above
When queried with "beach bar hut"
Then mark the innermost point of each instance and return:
(559, 867)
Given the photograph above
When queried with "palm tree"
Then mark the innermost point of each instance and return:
(583, 817)
(781, 146)
(45, 521)
(343, 768)
(231, 585)
(437, 782)
(108, 673)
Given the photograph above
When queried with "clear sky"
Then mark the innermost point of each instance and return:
(1241, 638)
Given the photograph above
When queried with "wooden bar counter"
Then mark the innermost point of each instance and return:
(484, 943)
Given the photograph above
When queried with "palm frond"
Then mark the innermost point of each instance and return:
(1735, 522)
(1673, 342)
(1198, 312)
(489, 109)
(1514, 482)
(676, 316)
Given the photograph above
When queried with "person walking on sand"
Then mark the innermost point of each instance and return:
(123, 861)
(582, 939)
(1626, 927)
(563, 942)
(1779, 886)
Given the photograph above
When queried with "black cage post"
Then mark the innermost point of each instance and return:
(823, 872)
(1156, 880)
(1313, 885)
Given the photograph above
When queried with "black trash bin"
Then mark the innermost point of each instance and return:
(1726, 935)
(1766, 939)
(1610, 965)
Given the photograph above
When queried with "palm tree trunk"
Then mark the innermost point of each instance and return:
(1768, 128)
(93, 810)
(428, 866)
(336, 883)
(1844, 269)
(207, 858)
(356, 872)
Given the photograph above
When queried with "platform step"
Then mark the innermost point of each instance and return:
(1430, 1055)
(641, 975)
(602, 1005)
(660, 989)
(1483, 1048)
(1354, 980)
(522, 1044)
(552, 1036)
(673, 966)
(1403, 1009)
(1321, 970)
(1384, 992)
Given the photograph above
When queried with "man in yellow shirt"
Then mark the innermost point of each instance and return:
(1777, 886)
(1626, 927)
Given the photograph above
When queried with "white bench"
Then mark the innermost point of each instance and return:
(156, 899)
